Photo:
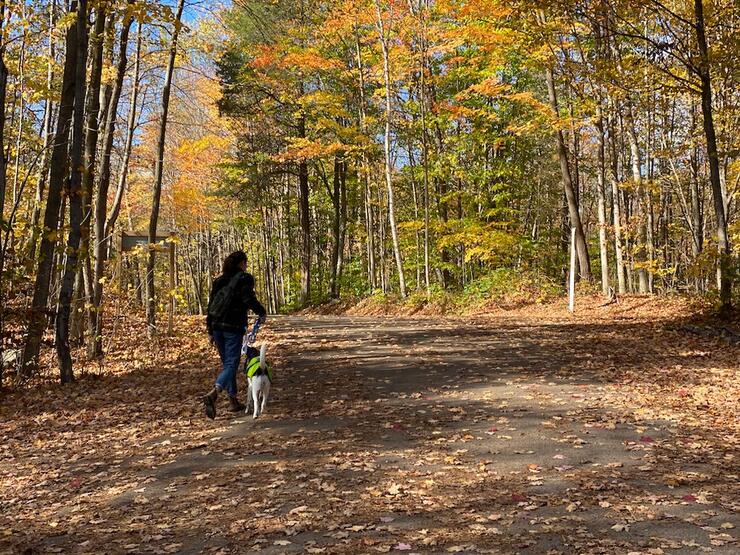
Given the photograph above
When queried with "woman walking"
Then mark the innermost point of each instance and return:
(232, 297)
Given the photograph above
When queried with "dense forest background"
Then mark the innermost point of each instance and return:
(414, 150)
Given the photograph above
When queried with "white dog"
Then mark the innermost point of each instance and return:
(259, 378)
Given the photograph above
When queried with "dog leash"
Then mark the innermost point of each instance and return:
(249, 339)
(252, 336)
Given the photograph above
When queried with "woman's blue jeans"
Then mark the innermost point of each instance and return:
(229, 345)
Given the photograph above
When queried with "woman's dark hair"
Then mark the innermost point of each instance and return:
(231, 264)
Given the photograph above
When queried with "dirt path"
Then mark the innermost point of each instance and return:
(418, 435)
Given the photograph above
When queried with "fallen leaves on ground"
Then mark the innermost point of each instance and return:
(611, 431)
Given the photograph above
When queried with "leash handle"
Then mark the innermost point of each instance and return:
(252, 336)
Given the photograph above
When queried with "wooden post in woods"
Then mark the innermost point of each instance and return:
(131, 239)
(171, 316)
(572, 275)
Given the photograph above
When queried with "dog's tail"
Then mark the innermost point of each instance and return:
(263, 350)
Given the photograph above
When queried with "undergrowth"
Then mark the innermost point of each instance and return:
(505, 288)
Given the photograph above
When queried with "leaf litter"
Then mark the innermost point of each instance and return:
(529, 430)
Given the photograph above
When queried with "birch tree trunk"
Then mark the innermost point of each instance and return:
(387, 148)
(640, 203)
(601, 196)
(617, 209)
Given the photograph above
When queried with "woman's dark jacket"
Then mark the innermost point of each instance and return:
(235, 318)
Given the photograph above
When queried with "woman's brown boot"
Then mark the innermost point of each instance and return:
(210, 403)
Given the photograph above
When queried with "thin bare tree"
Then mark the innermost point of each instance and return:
(151, 305)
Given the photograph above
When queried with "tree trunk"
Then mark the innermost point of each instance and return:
(343, 215)
(387, 149)
(74, 193)
(109, 39)
(697, 212)
(415, 199)
(92, 112)
(640, 202)
(3, 92)
(695, 217)
(425, 163)
(20, 80)
(650, 239)
(365, 171)
(575, 217)
(601, 195)
(339, 210)
(421, 14)
(723, 240)
(151, 305)
(305, 222)
(110, 224)
(383, 269)
(95, 347)
(369, 228)
(47, 137)
(617, 211)
(57, 170)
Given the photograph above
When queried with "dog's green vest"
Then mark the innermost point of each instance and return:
(253, 365)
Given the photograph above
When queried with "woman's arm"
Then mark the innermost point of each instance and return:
(209, 320)
(250, 298)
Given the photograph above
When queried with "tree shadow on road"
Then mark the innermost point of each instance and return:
(508, 436)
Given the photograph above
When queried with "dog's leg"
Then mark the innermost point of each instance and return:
(265, 394)
(255, 397)
(249, 395)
